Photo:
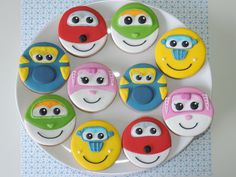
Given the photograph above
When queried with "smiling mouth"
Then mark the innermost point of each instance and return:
(95, 162)
(83, 50)
(50, 137)
(179, 69)
(188, 128)
(92, 102)
(136, 45)
(148, 162)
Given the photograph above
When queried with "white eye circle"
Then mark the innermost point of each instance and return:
(143, 20)
(126, 20)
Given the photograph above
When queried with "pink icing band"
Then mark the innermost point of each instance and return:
(91, 67)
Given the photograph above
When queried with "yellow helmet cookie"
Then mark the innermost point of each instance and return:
(180, 53)
(96, 145)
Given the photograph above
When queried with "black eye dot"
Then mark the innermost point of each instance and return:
(49, 57)
(194, 105)
(142, 19)
(139, 131)
(100, 136)
(185, 43)
(89, 136)
(153, 130)
(43, 111)
(85, 80)
(128, 20)
(173, 43)
(75, 19)
(39, 57)
(138, 77)
(148, 77)
(179, 106)
(100, 80)
(56, 111)
(89, 20)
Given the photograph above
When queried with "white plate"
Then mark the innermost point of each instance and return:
(118, 61)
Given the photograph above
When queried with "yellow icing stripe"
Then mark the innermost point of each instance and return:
(23, 60)
(65, 71)
(162, 80)
(24, 73)
(124, 92)
(64, 59)
(163, 91)
(123, 81)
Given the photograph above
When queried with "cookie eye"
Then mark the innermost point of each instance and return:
(179, 106)
(194, 105)
(138, 77)
(153, 130)
(139, 131)
(128, 20)
(39, 57)
(89, 20)
(100, 136)
(173, 43)
(149, 77)
(43, 111)
(56, 111)
(85, 80)
(185, 43)
(142, 19)
(100, 80)
(89, 136)
(49, 57)
(75, 19)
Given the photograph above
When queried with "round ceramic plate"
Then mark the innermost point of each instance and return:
(117, 113)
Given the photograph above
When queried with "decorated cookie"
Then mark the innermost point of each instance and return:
(92, 86)
(180, 53)
(143, 87)
(82, 31)
(187, 111)
(44, 67)
(146, 142)
(96, 145)
(134, 27)
(50, 120)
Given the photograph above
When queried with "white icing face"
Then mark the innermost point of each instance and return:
(133, 45)
(93, 99)
(83, 49)
(146, 160)
(50, 137)
(190, 124)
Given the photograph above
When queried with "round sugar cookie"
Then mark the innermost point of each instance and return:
(95, 145)
(50, 120)
(180, 53)
(92, 86)
(44, 67)
(143, 87)
(82, 31)
(187, 111)
(134, 27)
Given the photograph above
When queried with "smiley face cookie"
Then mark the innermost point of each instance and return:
(143, 87)
(146, 142)
(92, 86)
(82, 31)
(96, 145)
(44, 67)
(134, 27)
(50, 120)
(187, 111)
(180, 53)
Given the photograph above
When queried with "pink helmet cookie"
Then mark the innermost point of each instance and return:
(187, 111)
(92, 86)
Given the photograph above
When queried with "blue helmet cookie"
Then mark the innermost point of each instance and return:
(44, 67)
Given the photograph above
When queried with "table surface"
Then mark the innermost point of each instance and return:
(222, 28)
